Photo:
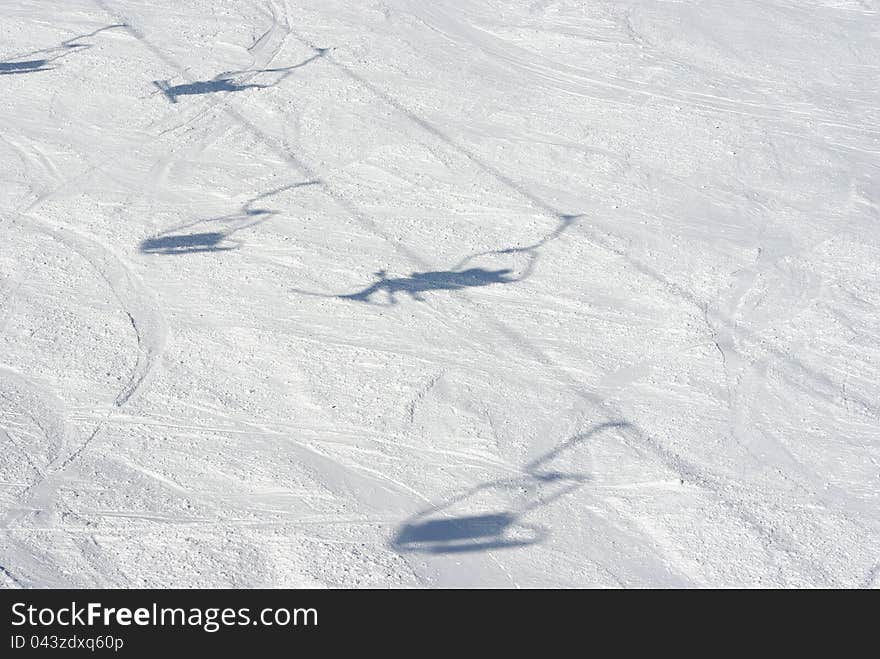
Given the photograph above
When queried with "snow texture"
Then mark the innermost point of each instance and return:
(412, 293)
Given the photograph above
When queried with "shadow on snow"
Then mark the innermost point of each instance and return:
(173, 241)
(438, 530)
(49, 55)
(234, 81)
(456, 278)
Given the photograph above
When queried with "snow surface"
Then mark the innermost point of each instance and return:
(440, 293)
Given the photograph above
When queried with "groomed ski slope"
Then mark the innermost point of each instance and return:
(440, 293)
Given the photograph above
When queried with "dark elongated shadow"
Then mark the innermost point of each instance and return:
(202, 87)
(436, 531)
(230, 81)
(172, 241)
(422, 282)
(465, 534)
(456, 278)
(30, 66)
(47, 57)
(185, 244)
(418, 283)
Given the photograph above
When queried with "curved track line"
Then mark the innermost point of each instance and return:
(135, 300)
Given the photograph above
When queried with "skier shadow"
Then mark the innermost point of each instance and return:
(171, 241)
(421, 282)
(437, 531)
(232, 81)
(30, 66)
(49, 55)
(456, 278)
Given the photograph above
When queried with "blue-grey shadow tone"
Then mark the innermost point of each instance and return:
(30, 66)
(203, 87)
(47, 57)
(436, 531)
(463, 534)
(229, 82)
(185, 244)
(421, 282)
(173, 242)
(456, 278)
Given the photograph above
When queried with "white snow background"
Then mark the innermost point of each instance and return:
(521, 293)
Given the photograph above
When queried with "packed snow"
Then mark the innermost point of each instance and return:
(416, 293)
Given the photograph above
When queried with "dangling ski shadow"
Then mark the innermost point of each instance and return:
(230, 81)
(172, 242)
(456, 278)
(49, 56)
(439, 531)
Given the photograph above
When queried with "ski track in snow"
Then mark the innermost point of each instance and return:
(676, 324)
